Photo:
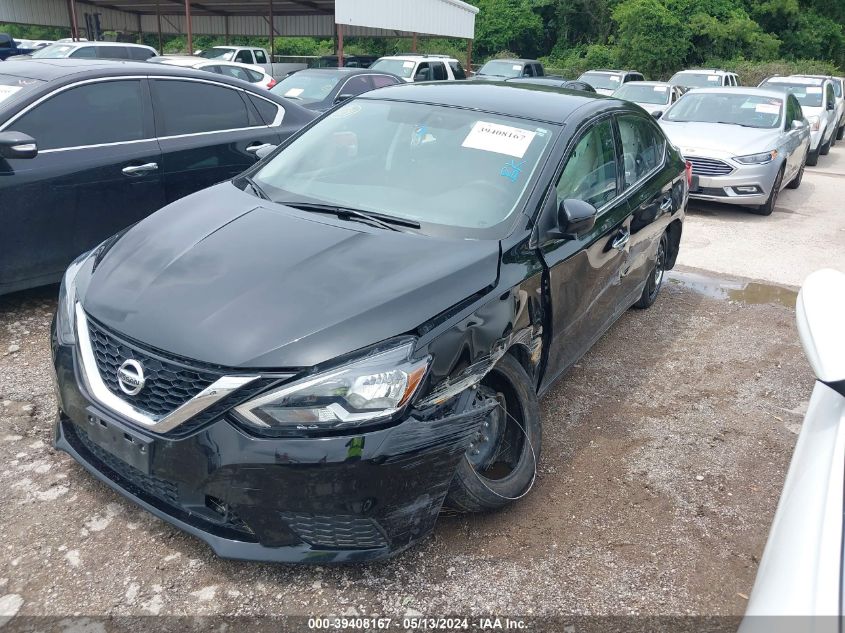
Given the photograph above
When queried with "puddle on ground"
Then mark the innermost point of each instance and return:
(732, 290)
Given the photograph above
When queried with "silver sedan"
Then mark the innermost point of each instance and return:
(745, 144)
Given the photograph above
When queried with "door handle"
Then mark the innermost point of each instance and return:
(621, 240)
(666, 205)
(134, 170)
(252, 149)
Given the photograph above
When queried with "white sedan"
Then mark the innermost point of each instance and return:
(245, 72)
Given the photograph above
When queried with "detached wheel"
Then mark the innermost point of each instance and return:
(499, 466)
(796, 182)
(813, 158)
(655, 279)
(766, 209)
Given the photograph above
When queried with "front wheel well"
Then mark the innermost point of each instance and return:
(674, 233)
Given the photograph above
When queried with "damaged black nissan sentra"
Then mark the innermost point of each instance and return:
(305, 363)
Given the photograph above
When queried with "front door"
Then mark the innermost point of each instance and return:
(585, 273)
(96, 172)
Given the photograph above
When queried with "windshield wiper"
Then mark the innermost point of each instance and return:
(255, 188)
(379, 219)
(735, 123)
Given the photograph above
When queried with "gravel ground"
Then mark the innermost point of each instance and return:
(664, 452)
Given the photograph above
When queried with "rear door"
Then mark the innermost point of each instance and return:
(651, 199)
(96, 172)
(585, 274)
(208, 132)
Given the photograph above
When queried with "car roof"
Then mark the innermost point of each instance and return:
(704, 71)
(76, 69)
(546, 103)
(414, 58)
(346, 71)
(513, 61)
(739, 90)
(612, 72)
(798, 79)
(86, 43)
(648, 83)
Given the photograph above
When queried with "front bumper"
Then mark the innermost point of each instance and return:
(317, 500)
(723, 188)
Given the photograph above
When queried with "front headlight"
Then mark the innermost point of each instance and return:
(814, 122)
(66, 311)
(757, 159)
(363, 391)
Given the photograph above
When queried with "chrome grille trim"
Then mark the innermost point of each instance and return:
(160, 424)
(709, 166)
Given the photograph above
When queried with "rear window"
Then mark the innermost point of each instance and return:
(136, 52)
(12, 87)
(696, 80)
(602, 81)
(807, 95)
(458, 70)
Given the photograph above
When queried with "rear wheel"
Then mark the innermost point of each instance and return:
(500, 464)
(766, 209)
(813, 158)
(825, 149)
(655, 279)
(840, 133)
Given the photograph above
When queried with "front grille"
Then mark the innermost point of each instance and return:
(170, 383)
(158, 488)
(340, 532)
(709, 166)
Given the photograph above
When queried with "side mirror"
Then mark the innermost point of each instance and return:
(657, 114)
(575, 217)
(421, 77)
(797, 124)
(343, 97)
(263, 152)
(17, 145)
(820, 311)
(831, 105)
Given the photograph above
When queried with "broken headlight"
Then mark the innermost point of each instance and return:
(360, 392)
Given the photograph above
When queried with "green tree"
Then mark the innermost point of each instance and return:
(507, 25)
(649, 37)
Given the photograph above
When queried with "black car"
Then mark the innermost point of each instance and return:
(501, 69)
(349, 61)
(90, 147)
(554, 82)
(304, 363)
(322, 88)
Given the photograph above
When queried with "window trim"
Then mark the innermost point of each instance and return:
(373, 74)
(280, 111)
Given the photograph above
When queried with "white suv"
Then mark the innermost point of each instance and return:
(421, 67)
(704, 78)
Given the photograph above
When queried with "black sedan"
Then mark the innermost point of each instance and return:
(304, 363)
(322, 88)
(89, 147)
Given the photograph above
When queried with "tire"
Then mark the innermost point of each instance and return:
(840, 133)
(477, 486)
(656, 276)
(813, 159)
(824, 149)
(796, 182)
(766, 209)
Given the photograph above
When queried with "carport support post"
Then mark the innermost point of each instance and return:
(226, 25)
(71, 12)
(469, 57)
(189, 29)
(340, 46)
(272, 33)
(414, 44)
(158, 23)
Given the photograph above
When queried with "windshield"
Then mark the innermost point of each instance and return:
(643, 93)
(54, 51)
(309, 87)
(11, 86)
(224, 54)
(807, 95)
(453, 171)
(501, 68)
(730, 108)
(695, 80)
(395, 66)
(604, 81)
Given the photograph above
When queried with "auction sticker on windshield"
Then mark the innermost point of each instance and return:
(294, 92)
(501, 139)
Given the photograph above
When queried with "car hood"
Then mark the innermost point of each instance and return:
(703, 139)
(226, 278)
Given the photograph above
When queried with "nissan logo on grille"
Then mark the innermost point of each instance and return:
(130, 377)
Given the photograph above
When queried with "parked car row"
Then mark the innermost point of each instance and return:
(276, 310)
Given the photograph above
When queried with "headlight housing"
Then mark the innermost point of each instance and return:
(65, 312)
(814, 122)
(358, 393)
(758, 159)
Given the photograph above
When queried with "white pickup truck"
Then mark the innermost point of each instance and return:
(251, 55)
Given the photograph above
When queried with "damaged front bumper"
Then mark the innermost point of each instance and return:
(320, 500)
